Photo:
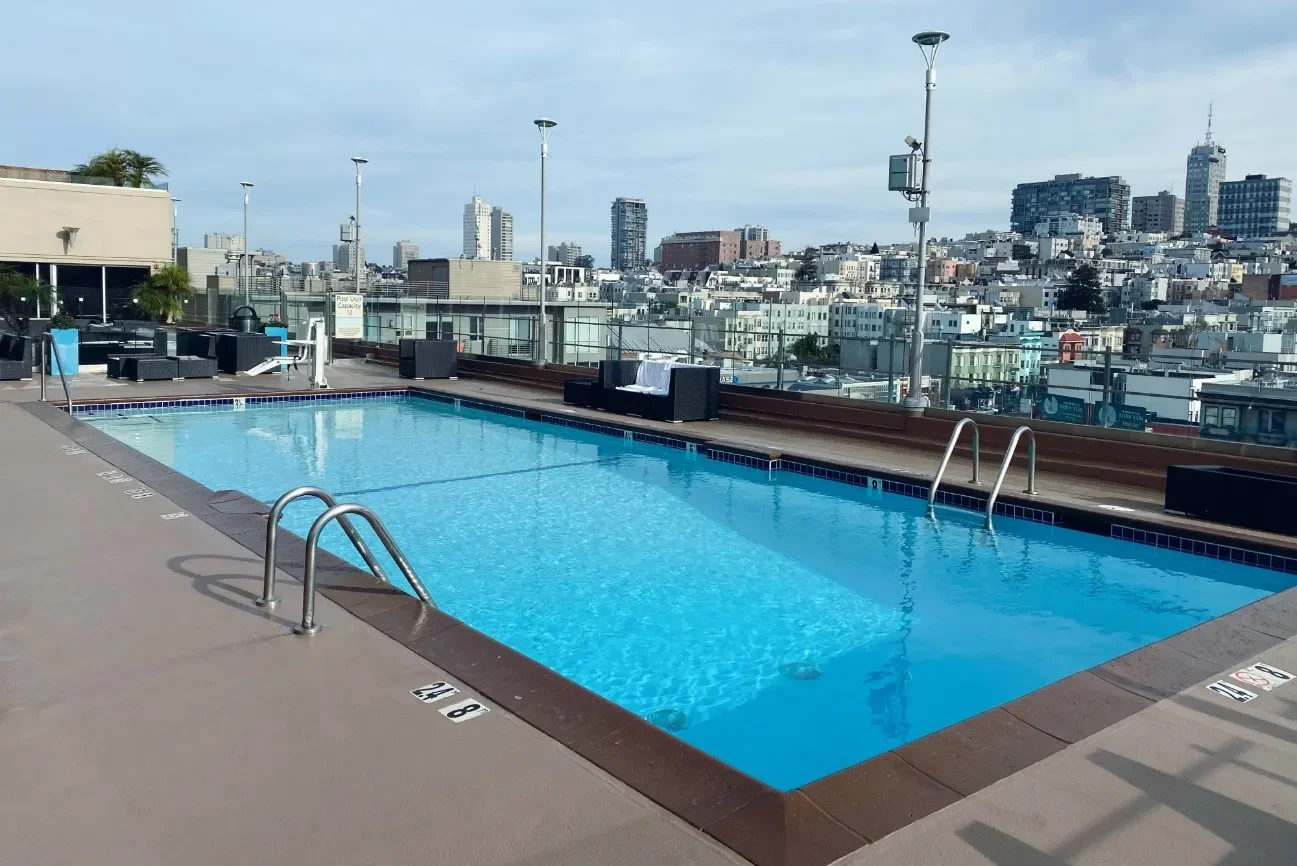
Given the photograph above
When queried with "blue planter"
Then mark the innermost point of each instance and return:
(278, 334)
(69, 351)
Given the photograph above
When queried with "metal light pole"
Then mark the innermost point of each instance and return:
(928, 41)
(247, 250)
(175, 229)
(355, 238)
(544, 124)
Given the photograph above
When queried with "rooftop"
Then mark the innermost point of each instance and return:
(153, 707)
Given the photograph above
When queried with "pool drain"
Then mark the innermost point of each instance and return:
(672, 720)
(800, 671)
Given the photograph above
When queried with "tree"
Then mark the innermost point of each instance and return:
(1150, 305)
(808, 350)
(586, 262)
(123, 168)
(164, 293)
(19, 296)
(873, 251)
(1083, 291)
(141, 169)
(808, 271)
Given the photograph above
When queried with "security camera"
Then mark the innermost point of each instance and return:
(912, 142)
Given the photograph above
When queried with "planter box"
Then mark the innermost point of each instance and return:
(1239, 497)
(68, 341)
(277, 334)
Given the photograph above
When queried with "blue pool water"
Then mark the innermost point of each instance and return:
(795, 625)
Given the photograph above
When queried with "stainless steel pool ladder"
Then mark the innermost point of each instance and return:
(308, 626)
(47, 337)
(1004, 469)
(945, 460)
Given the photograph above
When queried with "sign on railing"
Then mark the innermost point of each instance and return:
(349, 316)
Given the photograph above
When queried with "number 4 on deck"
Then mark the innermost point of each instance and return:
(434, 692)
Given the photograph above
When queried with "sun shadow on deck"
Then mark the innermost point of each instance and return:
(207, 584)
(1254, 835)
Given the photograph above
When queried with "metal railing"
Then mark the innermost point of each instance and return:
(45, 338)
(308, 626)
(1004, 470)
(945, 460)
(268, 598)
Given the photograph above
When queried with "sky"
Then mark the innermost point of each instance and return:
(773, 112)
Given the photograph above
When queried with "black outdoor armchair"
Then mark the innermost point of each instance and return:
(15, 358)
(428, 359)
(194, 367)
(693, 395)
(239, 352)
(149, 368)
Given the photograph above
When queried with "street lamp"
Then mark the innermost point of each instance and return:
(247, 257)
(175, 229)
(902, 170)
(544, 125)
(355, 237)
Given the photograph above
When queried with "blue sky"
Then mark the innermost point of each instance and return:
(771, 111)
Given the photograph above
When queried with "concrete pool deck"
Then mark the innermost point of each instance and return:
(212, 714)
(150, 714)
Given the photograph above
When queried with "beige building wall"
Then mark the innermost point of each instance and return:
(115, 225)
(471, 278)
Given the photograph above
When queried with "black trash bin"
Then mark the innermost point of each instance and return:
(245, 319)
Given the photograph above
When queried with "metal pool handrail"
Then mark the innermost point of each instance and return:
(1004, 469)
(945, 460)
(308, 626)
(47, 337)
(268, 598)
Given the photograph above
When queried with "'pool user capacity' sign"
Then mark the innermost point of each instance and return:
(349, 316)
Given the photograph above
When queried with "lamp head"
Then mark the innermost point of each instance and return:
(246, 184)
(545, 123)
(928, 42)
(359, 160)
(930, 38)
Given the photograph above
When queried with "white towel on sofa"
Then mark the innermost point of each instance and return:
(652, 377)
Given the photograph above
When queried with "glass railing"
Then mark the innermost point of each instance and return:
(1172, 392)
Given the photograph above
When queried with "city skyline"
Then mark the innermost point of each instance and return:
(819, 170)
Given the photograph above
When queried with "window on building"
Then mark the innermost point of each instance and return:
(1229, 417)
(1273, 421)
(475, 327)
(1211, 416)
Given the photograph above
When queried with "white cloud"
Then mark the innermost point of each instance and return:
(775, 112)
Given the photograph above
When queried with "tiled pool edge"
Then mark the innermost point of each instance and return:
(813, 825)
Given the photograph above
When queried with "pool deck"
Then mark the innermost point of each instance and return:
(149, 713)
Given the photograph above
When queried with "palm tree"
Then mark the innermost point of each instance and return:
(110, 164)
(164, 293)
(123, 168)
(141, 169)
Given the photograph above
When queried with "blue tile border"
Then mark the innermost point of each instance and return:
(588, 427)
(190, 403)
(918, 491)
(1209, 549)
(738, 458)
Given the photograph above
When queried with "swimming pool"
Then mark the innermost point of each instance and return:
(788, 625)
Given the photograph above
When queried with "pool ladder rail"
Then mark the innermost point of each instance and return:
(1004, 470)
(1004, 466)
(945, 460)
(308, 626)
